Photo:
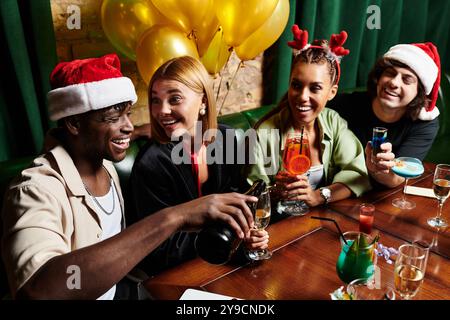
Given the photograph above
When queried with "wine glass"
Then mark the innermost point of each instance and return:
(261, 219)
(441, 188)
(409, 269)
(296, 161)
(407, 168)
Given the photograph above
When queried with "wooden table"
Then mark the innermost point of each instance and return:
(305, 251)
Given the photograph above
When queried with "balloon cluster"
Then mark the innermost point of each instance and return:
(154, 31)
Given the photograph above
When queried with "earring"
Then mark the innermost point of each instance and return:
(203, 110)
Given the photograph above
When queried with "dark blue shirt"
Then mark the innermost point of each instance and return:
(409, 138)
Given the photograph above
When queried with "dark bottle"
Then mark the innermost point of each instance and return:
(217, 242)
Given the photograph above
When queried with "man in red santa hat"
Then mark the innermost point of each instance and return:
(64, 235)
(402, 90)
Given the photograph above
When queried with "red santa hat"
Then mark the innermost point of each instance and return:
(80, 86)
(423, 59)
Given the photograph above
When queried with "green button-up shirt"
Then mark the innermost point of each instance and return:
(341, 153)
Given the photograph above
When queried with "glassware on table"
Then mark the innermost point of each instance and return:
(261, 219)
(379, 136)
(441, 189)
(366, 215)
(357, 257)
(367, 289)
(407, 168)
(216, 243)
(409, 269)
(296, 161)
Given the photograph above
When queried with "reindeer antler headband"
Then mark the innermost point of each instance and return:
(334, 51)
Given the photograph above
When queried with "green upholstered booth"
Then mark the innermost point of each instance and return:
(440, 151)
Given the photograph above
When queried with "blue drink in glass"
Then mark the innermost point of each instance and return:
(379, 136)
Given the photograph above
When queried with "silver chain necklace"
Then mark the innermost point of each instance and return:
(95, 199)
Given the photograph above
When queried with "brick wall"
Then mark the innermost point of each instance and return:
(245, 91)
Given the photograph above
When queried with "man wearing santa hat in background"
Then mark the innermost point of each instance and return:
(402, 90)
(63, 216)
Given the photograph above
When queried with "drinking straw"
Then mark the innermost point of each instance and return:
(335, 223)
(301, 139)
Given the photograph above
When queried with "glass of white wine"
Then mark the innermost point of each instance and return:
(409, 269)
(441, 188)
(261, 218)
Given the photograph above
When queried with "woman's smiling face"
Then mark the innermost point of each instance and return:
(175, 107)
(309, 90)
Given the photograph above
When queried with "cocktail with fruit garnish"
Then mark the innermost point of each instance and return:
(296, 161)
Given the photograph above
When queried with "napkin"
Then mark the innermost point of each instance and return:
(418, 191)
(193, 294)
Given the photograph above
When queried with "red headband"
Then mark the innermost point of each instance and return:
(335, 46)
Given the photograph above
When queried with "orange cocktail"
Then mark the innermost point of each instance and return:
(296, 157)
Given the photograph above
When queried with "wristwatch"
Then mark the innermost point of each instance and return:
(326, 194)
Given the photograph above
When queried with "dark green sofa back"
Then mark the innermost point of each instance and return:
(440, 151)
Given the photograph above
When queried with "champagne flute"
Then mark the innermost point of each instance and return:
(441, 188)
(261, 219)
(409, 269)
(407, 168)
(296, 161)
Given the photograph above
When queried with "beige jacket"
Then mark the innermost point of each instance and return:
(47, 212)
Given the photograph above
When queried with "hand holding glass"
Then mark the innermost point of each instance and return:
(379, 136)
(441, 188)
(261, 218)
(406, 167)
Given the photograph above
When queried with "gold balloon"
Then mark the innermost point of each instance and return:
(205, 33)
(124, 21)
(240, 18)
(267, 34)
(217, 55)
(186, 14)
(160, 44)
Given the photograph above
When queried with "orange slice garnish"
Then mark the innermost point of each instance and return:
(299, 164)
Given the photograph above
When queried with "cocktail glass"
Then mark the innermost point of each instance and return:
(407, 168)
(357, 257)
(296, 161)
